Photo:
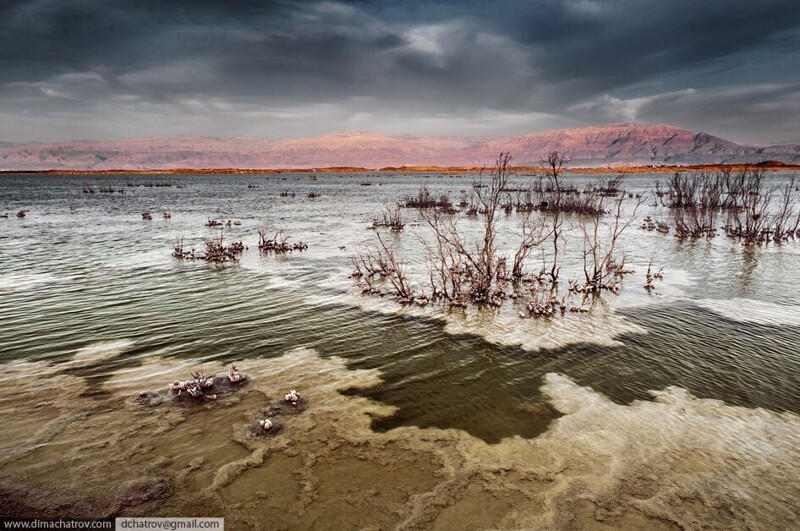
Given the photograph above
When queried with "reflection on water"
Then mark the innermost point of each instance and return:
(89, 290)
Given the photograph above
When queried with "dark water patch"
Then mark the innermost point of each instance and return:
(493, 392)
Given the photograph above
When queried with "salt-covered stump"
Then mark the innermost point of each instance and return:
(196, 391)
(235, 377)
(254, 429)
(283, 407)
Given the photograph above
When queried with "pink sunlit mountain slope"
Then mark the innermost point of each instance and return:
(589, 146)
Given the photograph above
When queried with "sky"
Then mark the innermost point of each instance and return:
(109, 69)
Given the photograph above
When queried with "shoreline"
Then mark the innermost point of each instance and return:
(588, 170)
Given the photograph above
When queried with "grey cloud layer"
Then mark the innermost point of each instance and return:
(70, 67)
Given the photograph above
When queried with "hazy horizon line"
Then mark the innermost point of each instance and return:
(345, 132)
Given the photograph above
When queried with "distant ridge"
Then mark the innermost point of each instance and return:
(607, 145)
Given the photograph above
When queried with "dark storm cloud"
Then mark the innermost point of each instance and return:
(714, 109)
(622, 40)
(254, 67)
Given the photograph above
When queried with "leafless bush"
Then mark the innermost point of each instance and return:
(391, 219)
(216, 250)
(601, 263)
(425, 199)
(479, 264)
(473, 267)
(610, 188)
(754, 213)
(534, 232)
(276, 242)
(526, 201)
(382, 262)
(462, 270)
(764, 214)
(552, 166)
(651, 276)
(695, 222)
(179, 251)
(681, 190)
(589, 203)
(222, 223)
(786, 223)
(657, 225)
(697, 190)
(544, 303)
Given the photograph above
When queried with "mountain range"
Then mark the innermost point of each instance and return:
(607, 145)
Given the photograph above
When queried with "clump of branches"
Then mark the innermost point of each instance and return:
(216, 250)
(785, 223)
(464, 271)
(222, 223)
(657, 225)
(552, 166)
(425, 199)
(544, 303)
(609, 188)
(391, 219)
(651, 276)
(765, 214)
(277, 241)
(754, 213)
(468, 204)
(682, 190)
(469, 267)
(551, 195)
(179, 250)
(602, 263)
(695, 200)
(588, 203)
(703, 190)
(695, 223)
(478, 266)
(382, 263)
